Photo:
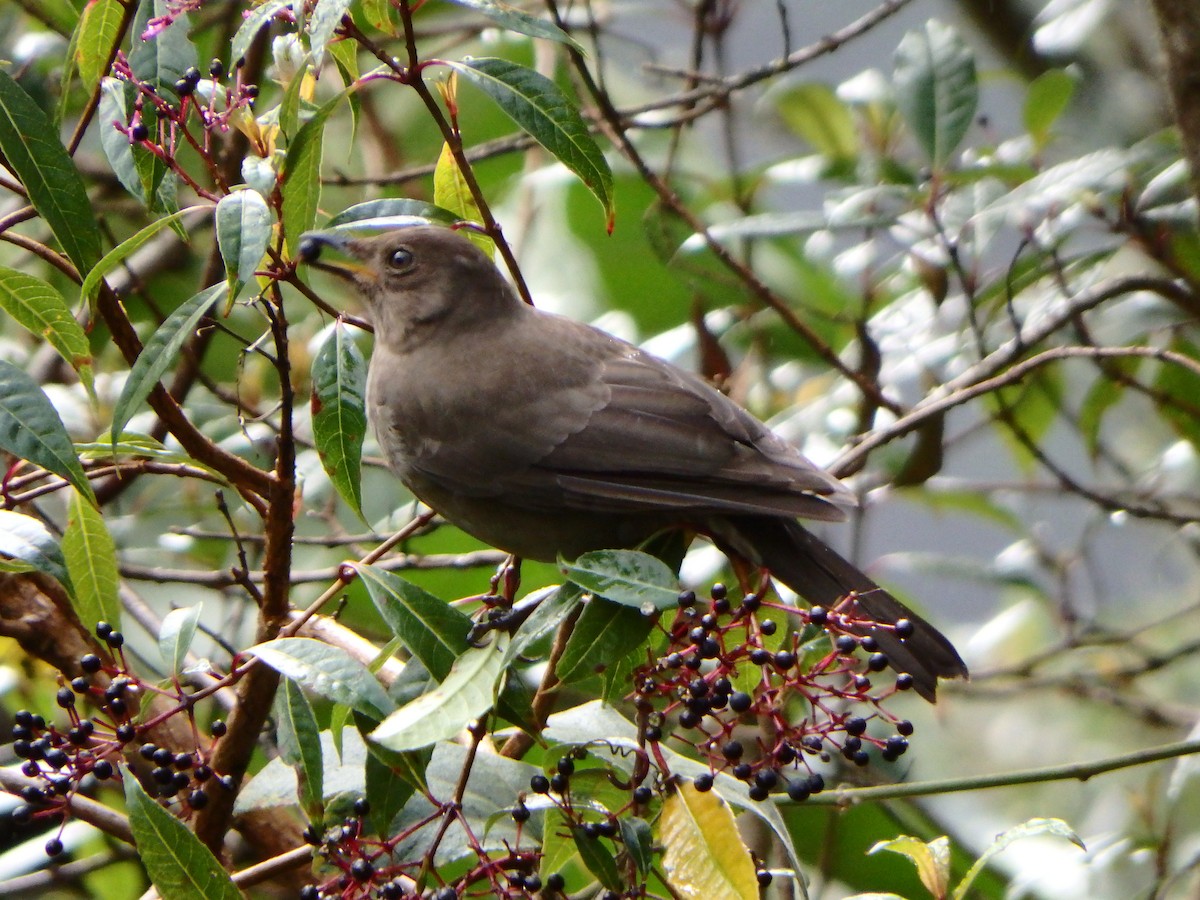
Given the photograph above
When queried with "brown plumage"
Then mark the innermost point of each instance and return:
(544, 436)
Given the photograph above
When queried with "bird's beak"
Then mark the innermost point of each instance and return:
(349, 265)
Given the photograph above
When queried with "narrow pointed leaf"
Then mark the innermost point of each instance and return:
(300, 746)
(597, 858)
(302, 175)
(514, 19)
(91, 558)
(432, 630)
(31, 429)
(27, 540)
(936, 88)
(179, 865)
(538, 106)
(339, 412)
(466, 694)
(99, 28)
(1033, 828)
(159, 354)
(629, 577)
(390, 207)
(931, 858)
(34, 153)
(176, 635)
(703, 854)
(42, 310)
(327, 671)
(114, 257)
(253, 24)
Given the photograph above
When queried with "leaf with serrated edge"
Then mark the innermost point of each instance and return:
(466, 694)
(179, 865)
(159, 354)
(91, 558)
(176, 635)
(339, 412)
(30, 429)
(27, 540)
(629, 577)
(300, 745)
(605, 633)
(703, 854)
(327, 671)
(243, 222)
(42, 310)
(537, 105)
(32, 150)
(432, 630)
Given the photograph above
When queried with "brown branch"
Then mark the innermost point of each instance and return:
(1179, 24)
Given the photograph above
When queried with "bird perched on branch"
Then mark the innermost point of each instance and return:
(543, 436)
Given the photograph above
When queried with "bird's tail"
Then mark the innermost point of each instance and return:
(822, 577)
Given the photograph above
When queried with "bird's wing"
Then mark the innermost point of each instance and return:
(603, 426)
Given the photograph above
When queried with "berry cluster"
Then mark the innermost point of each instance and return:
(807, 691)
(62, 759)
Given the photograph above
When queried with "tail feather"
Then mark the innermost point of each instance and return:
(818, 574)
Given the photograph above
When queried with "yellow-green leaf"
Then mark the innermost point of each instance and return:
(450, 191)
(91, 558)
(932, 859)
(703, 854)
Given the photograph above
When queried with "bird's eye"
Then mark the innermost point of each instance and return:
(400, 258)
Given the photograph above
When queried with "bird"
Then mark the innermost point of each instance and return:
(546, 438)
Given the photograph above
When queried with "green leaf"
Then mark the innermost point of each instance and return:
(243, 222)
(179, 865)
(537, 105)
(31, 429)
(514, 19)
(164, 58)
(327, 671)
(392, 207)
(814, 112)
(26, 539)
(638, 839)
(629, 577)
(931, 858)
(936, 88)
(159, 354)
(326, 17)
(253, 24)
(302, 176)
(33, 152)
(339, 412)
(432, 630)
(299, 739)
(450, 191)
(1049, 95)
(176, 635)
(1032, 828)
(42, 310)
(99, 29)
(91, 558)
(114, 257)
(437, 715)
(380, 16)
(598, 859)
(389, 790)
(703, 854)
(606, 632)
